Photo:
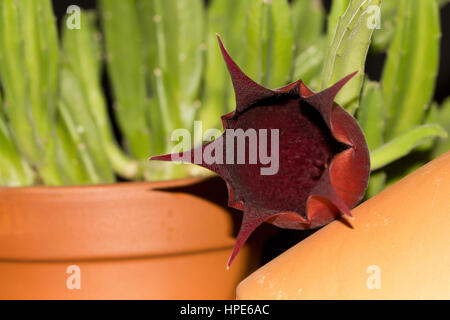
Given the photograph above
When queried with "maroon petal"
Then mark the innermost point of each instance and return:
(253, 217)
(247, 91)
(324, 100)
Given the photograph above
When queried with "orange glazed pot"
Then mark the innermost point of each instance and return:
(157, 240)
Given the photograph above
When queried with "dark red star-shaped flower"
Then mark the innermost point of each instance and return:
(323, 161)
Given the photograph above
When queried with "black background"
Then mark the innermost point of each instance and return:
(278, 309)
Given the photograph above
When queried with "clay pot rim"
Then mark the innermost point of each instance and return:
(101, 186)
(118, 258)
(126, 220)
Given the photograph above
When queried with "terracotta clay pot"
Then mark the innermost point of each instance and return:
(396, 247)
(123, 241)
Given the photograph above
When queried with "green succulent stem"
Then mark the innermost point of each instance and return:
(14, 170)
(127, 72)
(348, 49)
(409, 75)
(404, 144)
(29, 72)
(83, 57)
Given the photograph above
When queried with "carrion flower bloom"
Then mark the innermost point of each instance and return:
(323, 157)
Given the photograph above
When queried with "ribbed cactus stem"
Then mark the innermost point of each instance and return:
(348, 49)
(124, 56)
(74, 151)
(14, 170)
(82, 55)
(29, 73)
(408, 79)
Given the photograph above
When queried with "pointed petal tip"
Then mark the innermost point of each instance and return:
(338, 85)
(323, 100)
(251, 220)
(163, 157)
(222, 48)
(333, 90)
(348, 77)
(340, 205)
(354, 73)
(219, 39)
(246, 90)
(304, 90)
(234, 253)
(346, 211)
(349, 213)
